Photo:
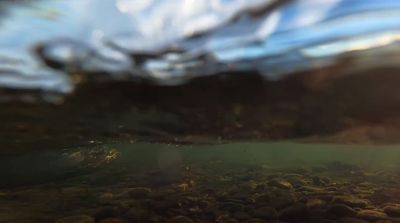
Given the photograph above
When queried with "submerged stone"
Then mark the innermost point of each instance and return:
(371, 215)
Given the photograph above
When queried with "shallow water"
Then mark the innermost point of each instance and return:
(113, 111)
(253, 182)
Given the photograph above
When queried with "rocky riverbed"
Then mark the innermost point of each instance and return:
(213, 191)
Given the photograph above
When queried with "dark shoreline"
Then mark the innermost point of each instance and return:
(318, 106)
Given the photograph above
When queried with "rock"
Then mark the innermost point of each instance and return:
(105, 198)
(76, 219)
(180, 219)
(371, 215)
(265, 213)
(294, 212)
(311, 189)
(297, 180)
(320, 181)
(341, 210)
(351, 201)
(351, 220)
(315, 203)
(112, 220)
(392, 210)
(138, 192)
(283, 184)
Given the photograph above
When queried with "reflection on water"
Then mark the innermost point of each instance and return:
(156, 41)
(227, 183)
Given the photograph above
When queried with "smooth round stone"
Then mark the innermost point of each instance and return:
(105, 198)
(138, 192)
(180, 219)
(351, 201)
(315, 203)
(371, 215)
(283, 184)
(76, 219)
(392, 210)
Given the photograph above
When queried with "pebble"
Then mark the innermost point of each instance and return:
(350, 201)
(392, 210)
(138, 192)
(105, 198)
(315, 203)
(283, 184)
(371, 215)
(76, 219)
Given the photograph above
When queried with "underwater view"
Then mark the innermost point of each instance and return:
(199, 111)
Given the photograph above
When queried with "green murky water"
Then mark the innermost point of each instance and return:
(240, 182)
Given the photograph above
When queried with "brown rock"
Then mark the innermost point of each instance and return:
(138, 192)
(315, 203)
(392, 210)
(351, 201)
(371, 215)
(105, 198)
(283, 184)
